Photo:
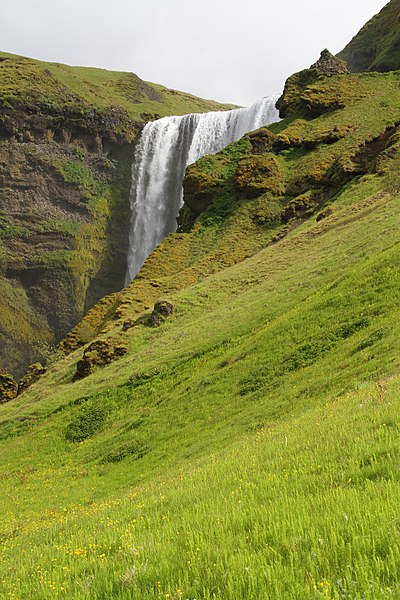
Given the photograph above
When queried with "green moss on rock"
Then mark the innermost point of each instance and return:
(67, 140)
(256, 175)
(8, 387)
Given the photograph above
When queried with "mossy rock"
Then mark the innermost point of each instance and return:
(294, 87)
(303, 206)
(163, 307)
(267, 211)
(99, 354)
(162, 310)
(318, 100)
(8, 387)
(32, 375)
(302, 92)
(261, 140)
(256, 175)
(200, 188)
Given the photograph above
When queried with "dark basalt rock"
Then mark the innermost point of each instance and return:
(156, 319)
(8, 387)
(162, 309)
(99, 354)
(329, 65)
(33, 373)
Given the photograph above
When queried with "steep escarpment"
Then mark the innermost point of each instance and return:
(337, 129)
(66, 146)
(376, 47)
(244, 389)
(333, 132)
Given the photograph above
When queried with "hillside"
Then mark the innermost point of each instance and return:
(239, 439)
(67, 139)
(377, 46)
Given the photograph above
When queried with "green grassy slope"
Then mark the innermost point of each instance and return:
(307, 508)
(271, 340)
(82, 88)
(376, 47)
(248, 447)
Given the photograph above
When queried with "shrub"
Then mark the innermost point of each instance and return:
(89, 420)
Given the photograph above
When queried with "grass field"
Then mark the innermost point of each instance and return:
(246, 449)
(307, 508)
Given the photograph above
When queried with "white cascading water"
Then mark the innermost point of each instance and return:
(166, 147)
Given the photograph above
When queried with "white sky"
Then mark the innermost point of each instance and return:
(229, 50)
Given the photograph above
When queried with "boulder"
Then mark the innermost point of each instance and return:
(162, 309)
(156, 319)
(329, 65)
(33, 373)
(8, 387)
(99, 353)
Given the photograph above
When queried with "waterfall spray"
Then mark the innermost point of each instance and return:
(166, 147)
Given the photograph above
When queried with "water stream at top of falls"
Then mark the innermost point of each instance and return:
(166, 147)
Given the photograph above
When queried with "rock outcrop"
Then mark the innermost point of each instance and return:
(299, 96)
(99, 354)
(8, 387)
(65, 173)
(329, 65)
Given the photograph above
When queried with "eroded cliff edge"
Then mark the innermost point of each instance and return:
(333, 156)
(67, 139)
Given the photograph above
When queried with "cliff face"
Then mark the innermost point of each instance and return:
(339, 132)
(66, 145)
(377, 45)
(64, 229)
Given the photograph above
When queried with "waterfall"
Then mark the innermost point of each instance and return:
(166, 147)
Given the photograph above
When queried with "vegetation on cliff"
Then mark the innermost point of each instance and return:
(109, 102)
(377, 46)
(247, 447)
(66, 146)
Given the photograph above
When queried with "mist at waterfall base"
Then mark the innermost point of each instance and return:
(166, 147)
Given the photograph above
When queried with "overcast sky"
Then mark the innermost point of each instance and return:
(229, 50)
